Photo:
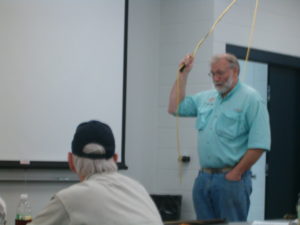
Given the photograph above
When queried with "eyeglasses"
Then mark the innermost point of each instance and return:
(218, 73)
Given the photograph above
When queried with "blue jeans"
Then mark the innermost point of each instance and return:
(218, 198)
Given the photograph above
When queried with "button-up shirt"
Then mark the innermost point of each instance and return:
(228, 126)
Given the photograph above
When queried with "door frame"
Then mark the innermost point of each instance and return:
(267, 57)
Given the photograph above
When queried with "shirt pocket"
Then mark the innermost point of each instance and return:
(230, 125)
(202, 118)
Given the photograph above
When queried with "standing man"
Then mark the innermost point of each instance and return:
(103, 196)
(233, 132)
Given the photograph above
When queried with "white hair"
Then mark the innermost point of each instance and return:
(3, 212)
(230, 58)
(86, 167)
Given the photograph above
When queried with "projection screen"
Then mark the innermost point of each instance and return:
(61, 62)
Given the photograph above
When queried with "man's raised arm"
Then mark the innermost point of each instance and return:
(178, 89)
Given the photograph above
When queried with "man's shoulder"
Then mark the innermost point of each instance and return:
(101, 186)
(99, 182)
(206, 94)
(75, 188)
(129, 181)
(249, 92)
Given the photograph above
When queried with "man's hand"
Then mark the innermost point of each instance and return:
(232, 175)
(178, 89)
(251, 156)
(186, 65)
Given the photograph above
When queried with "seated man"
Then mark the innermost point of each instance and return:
(3, 212)
(103, 196)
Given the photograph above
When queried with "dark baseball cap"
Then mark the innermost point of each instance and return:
(93, 132)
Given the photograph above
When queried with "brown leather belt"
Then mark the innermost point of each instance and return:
(216, 170)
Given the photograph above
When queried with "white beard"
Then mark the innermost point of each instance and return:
(226, 86)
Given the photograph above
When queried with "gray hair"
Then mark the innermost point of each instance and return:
(3, 212)
(230, 58)
(86, 167)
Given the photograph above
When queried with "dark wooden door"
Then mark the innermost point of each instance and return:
(283, 161)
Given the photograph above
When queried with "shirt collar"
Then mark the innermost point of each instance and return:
(236, 87)
(95, 175)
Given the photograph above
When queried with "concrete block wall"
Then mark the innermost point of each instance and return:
(275, 27)
(161, 32)
(183, 23)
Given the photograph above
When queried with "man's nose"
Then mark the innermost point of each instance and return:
(216, 78)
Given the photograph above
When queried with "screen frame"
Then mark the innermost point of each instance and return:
(14, 164)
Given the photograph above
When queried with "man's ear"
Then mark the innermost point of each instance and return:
(236, 71)
(71, 162)
(115, 157)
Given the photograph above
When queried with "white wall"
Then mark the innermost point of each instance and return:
(182, 23)
(142, 91)
(161, 32)
(276, 26)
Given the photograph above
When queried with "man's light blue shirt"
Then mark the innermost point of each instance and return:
(228, 127)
